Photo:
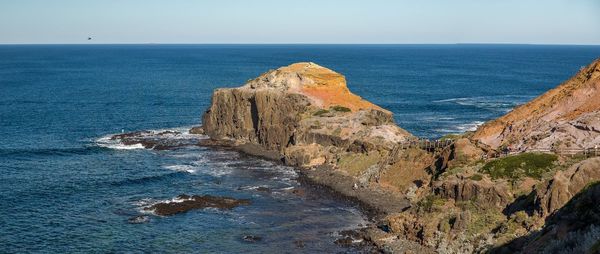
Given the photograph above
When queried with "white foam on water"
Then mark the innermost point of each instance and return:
(143, 204)
(107, 142)
(351, 210)
(192, 155)
(213, 169)
(182, 168)
(437, 118)
(217, 172)
(502, 103)
(460, 128)
(472, 126)
(450, 100)
(254, 187)
(171, 133)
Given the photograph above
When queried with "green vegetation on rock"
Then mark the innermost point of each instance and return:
(476, 177)
(321, 112)
(340, 108)
(430, 202)
(337, 131)
(532, 165)
(482, 220)
(357, 163)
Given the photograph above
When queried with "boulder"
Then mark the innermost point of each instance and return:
(184, 203)
(555, 193)
(484, 192)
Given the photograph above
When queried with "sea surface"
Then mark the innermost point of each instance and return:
(62, 190)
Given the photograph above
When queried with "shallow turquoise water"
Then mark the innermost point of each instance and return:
(62, 192)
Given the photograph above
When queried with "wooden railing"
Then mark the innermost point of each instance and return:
(434, 145)
(425, 144)
(586, 152)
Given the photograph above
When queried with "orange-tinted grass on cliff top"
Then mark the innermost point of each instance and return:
(328, 87)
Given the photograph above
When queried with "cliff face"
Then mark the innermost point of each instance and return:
(574, 228)
(567, 116)
(304, 112)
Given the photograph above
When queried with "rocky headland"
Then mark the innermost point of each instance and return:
(465, 194)
(304, 115)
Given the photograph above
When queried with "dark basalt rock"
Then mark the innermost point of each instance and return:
(197, 130)
(251, 238)
(156, 140)
(352, 238)
(130, 135)
(185, 203)
(299, 244)
(299, 192)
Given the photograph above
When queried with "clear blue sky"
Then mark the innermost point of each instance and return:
(300, 21)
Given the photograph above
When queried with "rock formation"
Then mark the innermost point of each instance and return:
(184, 203)
(307, 115)
(567, 116)
(450, 199)
(566, 184)
(294, 108)
(574, 228)
(441, 199)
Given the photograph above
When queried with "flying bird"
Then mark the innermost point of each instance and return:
(89, 38)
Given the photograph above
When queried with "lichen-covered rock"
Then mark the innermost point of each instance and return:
(565, 184)
(485, 192)
(465, 152)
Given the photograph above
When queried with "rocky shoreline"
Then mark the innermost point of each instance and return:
(472, 194)
(360, 238)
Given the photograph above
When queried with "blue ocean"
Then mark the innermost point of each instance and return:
(63, 191)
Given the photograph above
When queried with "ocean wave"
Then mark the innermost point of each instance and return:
(182, 168)
(108, 142)
(179, 136)
(503, 103)
(217, 172)
(255, 187)
(460, 128)
(469, 126)
(142, 205)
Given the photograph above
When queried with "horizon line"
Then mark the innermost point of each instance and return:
(302, 43)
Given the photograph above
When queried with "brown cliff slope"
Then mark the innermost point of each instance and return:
(567, 116)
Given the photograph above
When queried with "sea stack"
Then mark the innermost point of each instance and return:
(305, 116)
(305, 113)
